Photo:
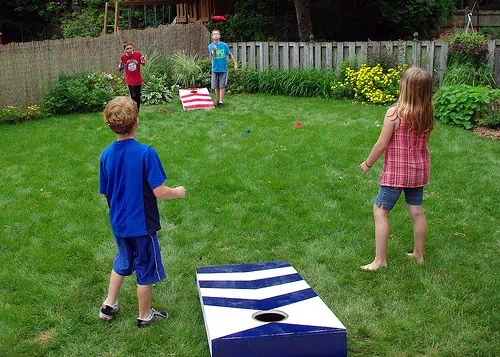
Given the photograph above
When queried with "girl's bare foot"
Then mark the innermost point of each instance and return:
(374, 266)
(420, 260)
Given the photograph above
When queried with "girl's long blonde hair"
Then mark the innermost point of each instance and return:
(415, 100)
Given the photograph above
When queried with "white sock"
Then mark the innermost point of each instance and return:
(112, 306)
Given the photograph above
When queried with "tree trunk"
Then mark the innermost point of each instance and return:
(304, 23)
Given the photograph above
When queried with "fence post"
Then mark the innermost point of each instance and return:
(443, 57)
(329, 55)
(286, 55)
(265, 54)
(340, 56)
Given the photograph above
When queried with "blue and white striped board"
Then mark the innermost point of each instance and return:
(230, 295)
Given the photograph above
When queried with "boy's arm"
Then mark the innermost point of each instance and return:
(163, 192)
(234, 61)
(382, 142)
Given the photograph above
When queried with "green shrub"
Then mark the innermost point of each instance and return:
(351, 63)
(13, 114)
(81, 92)
(293, 82)
(491, 117)
(156, 91)
(157, 64)
(187, 71)
(468, 73)
(245, 80)
(461, 104)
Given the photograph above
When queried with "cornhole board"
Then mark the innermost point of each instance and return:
(196, 98)
(295, 322)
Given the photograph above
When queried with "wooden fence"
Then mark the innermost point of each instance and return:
(28, 69)
(430, 55)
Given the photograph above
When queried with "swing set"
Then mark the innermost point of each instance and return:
(119, 4)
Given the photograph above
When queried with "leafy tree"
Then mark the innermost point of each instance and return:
(24, 20)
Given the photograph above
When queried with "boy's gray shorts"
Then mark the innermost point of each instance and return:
(219, 80)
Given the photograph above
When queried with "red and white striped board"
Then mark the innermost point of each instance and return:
(196, 98)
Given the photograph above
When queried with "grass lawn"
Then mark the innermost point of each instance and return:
(276, 193)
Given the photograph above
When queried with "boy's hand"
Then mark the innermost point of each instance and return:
(235, 67)
(181, 192)
(364, 167)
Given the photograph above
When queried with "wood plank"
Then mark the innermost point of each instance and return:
(295, 55)
(401, 52)
(496, 68)
(329, 55)
(275, 54)
(443, 57)
(260, 55)
(285, 57)
(491, 52)
(363, 52)
(317, 54)
(340, 56)
(430, 52)
(265, 55)
(251, 54)
(244, 60)
(352, 49)
(235, 51)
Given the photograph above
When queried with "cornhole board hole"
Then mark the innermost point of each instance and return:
(266, 310)
(196, 98)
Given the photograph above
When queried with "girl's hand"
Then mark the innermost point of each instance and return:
(364, 167)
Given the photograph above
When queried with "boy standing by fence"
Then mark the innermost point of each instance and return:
(218, 52)
(131, 179)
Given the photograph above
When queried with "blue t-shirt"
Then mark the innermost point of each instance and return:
(129, 171)
(219, 62)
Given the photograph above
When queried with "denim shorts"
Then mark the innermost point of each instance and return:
(142, 255)
(388, 196)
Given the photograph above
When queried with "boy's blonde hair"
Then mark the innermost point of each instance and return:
(127, 43)
(415, 100)
(121, 115)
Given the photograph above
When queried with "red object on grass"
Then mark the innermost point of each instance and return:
(298, 124)
(218, 18)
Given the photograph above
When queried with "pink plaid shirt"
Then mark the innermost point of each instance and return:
(407, 162)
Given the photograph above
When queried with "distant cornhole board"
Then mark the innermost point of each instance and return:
(266, 310)
(196, 98)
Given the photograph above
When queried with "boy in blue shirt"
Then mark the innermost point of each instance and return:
(131, 179)
(218, 52)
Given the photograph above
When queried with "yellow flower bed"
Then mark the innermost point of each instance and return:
(372, 85)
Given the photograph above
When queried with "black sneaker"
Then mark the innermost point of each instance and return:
(221, 105)
(218, 104)
(155, 317)
(108, 313)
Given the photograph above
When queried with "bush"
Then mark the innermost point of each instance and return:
(294, 82)
(371, 84)
(156, 91)
(466, 73)
(187, 71)
(12, 114)
(491, 117)
(461, 105)
(157, 64)
(82, 92)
